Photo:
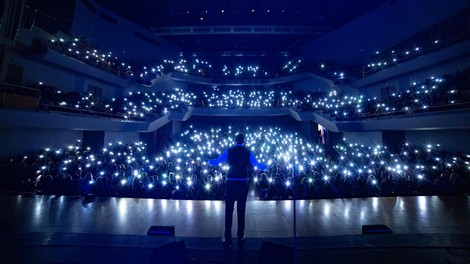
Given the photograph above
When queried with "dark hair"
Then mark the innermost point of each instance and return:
(240, 138)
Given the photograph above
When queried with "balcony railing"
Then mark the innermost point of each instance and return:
(15, 96)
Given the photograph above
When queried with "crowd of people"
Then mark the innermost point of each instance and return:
(295, 167)
(84, 51)
(441, 35)
(433, 94)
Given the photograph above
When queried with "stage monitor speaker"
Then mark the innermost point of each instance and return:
(161, 231)
(376, 229)
(272, 253)
(171, 253)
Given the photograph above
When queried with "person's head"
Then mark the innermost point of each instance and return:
(240, 138)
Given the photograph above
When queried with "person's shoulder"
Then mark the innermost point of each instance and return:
(246, 149)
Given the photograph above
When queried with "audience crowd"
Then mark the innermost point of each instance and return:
(433, 94)
(84, 51)
(444, 34)
(295, 167)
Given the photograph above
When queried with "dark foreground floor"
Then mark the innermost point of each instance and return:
(103, 248)
(50, 229)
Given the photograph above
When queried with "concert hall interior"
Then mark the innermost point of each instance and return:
(113, 112)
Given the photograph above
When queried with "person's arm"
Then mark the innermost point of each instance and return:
(221, 159)
(257, 164)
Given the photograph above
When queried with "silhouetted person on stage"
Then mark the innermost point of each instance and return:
(238, 158)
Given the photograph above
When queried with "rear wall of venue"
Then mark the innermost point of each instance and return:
(120, 34)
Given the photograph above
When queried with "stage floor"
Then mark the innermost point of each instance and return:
(73, 229)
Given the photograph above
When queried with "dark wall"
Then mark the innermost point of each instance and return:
(332, 139)
(150, 139)
(394, 140)
(93, 139)
(163, 137)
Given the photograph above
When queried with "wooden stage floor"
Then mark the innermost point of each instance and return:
(59, 222)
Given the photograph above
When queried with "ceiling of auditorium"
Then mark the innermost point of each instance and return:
(315, 16)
